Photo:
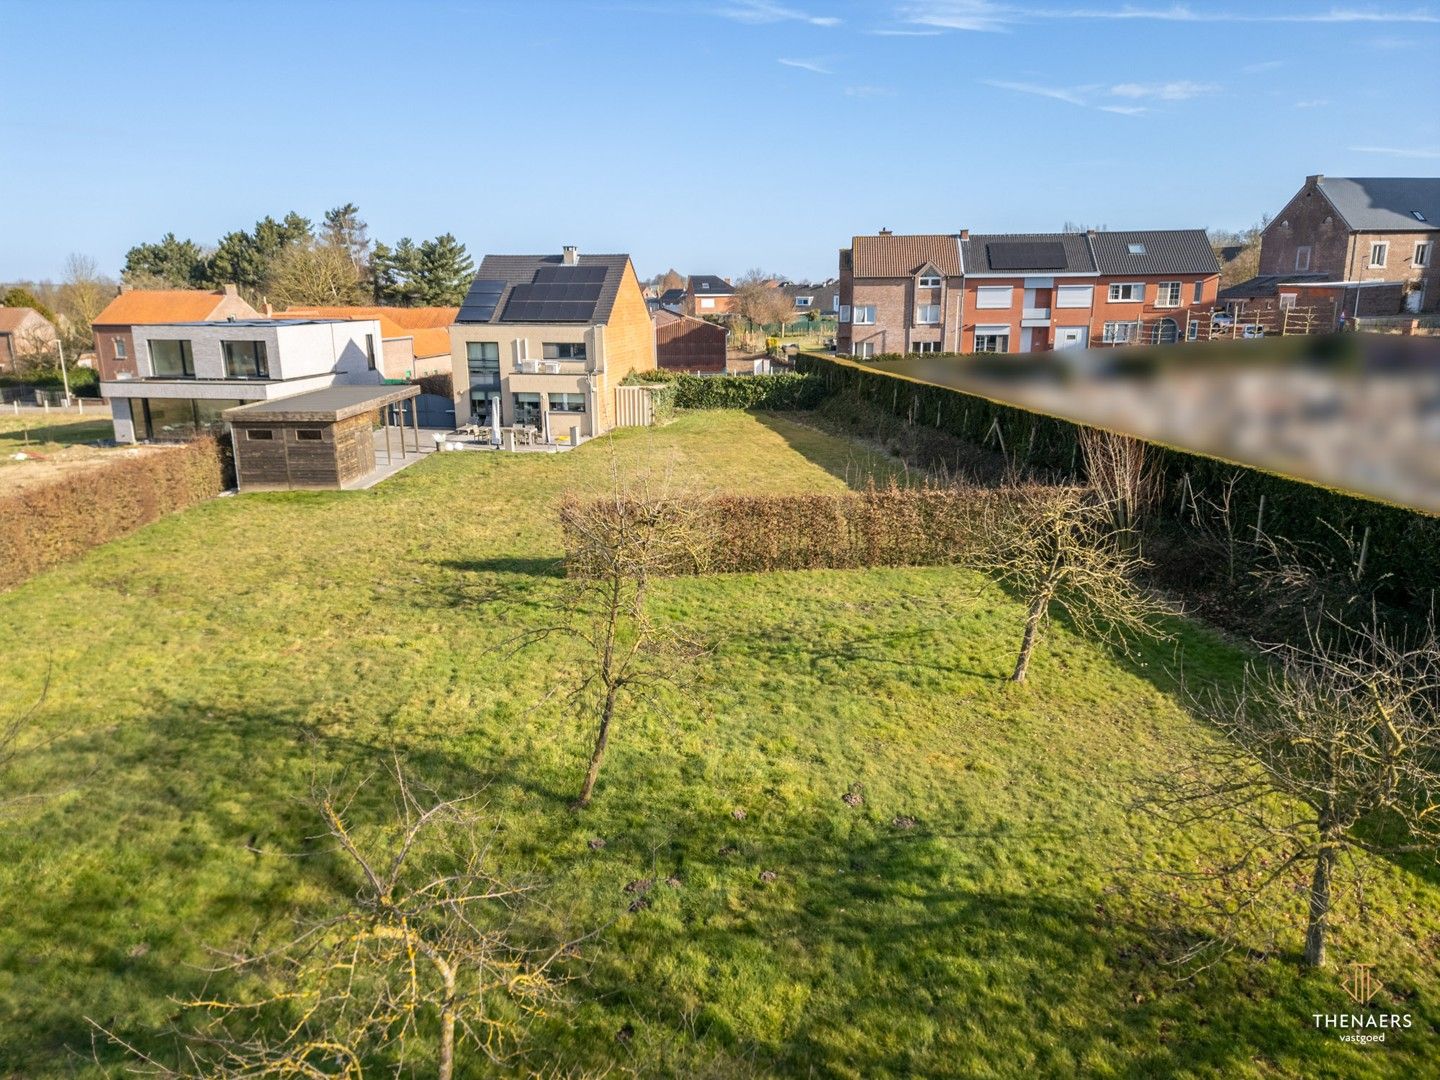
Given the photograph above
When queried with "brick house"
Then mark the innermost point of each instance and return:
(1018, 293)
(115, 352)
(1359, 231)
(542, 341)
(706, 294)
(24, 332)
(684, 343)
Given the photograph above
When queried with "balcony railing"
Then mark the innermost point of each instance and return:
(551, 367)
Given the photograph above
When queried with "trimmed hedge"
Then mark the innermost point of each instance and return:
(1403, 543)
(788, 392)
(890, 526)
(48, 524)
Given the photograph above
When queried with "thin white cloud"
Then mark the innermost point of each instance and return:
(1397, 151)
(1263, 65)
(1125, 110)
(807, 65)
(1181, 90)
(760, 12)
(979, 15)
(905, 33)
(1312, 103)
(994, 16)
(1056, 93)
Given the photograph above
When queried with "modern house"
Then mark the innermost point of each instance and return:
(706, 294)
(542, 341)
(115, 343)
(24, 332)
(1357, 233)
(687, 344)
(1015, 293)
(415, 342)
(183, 375)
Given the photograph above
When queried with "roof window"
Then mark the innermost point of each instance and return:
(1137, 249)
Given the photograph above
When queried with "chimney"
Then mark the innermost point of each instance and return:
(1315, 179)
(232, 292)
(1089, 232)
(964, 234)
(886, 232)
(570, 255)
(269, 310)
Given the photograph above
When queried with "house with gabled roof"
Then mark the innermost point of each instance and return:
(24, 332)
(707, 294)
(115, 351)
(1357, 232)
(542, 341)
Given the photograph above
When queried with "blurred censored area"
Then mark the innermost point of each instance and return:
(1359, 412)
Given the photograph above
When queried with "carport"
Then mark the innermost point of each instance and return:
(341, 437)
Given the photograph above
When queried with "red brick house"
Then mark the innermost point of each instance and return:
(114, 342)
(706, 294)
(683, 343)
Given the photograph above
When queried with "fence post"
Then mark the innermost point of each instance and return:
(1364, 550)
(1259, 517)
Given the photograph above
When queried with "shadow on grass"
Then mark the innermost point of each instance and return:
(857, 466)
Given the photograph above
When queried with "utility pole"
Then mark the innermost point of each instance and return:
(64, 376)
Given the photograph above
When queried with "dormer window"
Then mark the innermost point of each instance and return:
(929, 281)
(1136, 249)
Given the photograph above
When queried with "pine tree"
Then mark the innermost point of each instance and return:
(171, 263)
(444, 272)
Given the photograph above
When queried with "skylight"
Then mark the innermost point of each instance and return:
(1418, 215)
(1137, 249)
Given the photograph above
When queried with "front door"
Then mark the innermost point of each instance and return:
(1071, 337)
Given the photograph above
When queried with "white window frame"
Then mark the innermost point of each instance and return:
(1124, 292)
(1067, 295)
(995, 297)
(863, 314)
(1192, 330)
(804, 301)
(929, 281)
(119, 346)
(845, 313)
(1110, 333)
(1424, 251)
(1175, 288)
(1302, 264)
(1288, 300)
(863, 350)
(1382, 246)
(993, 331)
(920, 312)
(926, 347)
(706, 302)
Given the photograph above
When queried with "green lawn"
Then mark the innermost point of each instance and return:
(40, 434)
(203, 667)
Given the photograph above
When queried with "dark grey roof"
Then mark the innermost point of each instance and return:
(325, 405)
(1165, 251)
(823, 293)
(1384, 204)
(513, 270)
(710, 285)
(672, 296)
(1264, 285)
(1020, 253)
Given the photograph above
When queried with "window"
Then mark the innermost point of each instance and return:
(563, 350)
(527, 409)
(707, 302)
(1199, 296)
(370, 351)
(864, 350)
(994, 296)
(1167, 294)
(1379, 251)
(1422, 253)
(1136, 249)
(261, 434)
(1302, 258)
(1121, 332)
(171, 360)
(835, 301)
(844, 312)
(245, 360)
(308, 435)
(178, 418)
(1129, 292)
(119, 344)
(1287, 300)
(1417, 215)
(928, 314)
(864, 314)
(571, 403)
(483, 360)
(925, 347)
(1074, 296)
(804, 301)
(1192, 330)
(995, 339)
(929, 281)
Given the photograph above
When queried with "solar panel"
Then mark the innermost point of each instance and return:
(1031, 255)
(557, 294)
(570, 275)
(480, 301)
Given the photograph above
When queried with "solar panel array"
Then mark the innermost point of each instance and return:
(1034, 255)
(481, 300)
(557, 294)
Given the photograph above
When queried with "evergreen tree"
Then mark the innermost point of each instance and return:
(445, 271)
(237, 259)
(344, 229)
(18, 296)
(383, 279)
(171, 263)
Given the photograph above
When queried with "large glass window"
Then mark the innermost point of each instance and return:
(245, 360)
(994, 339)
(171, 359)
(1167, 294)
(927, 314)
(178, 418)
(563, 350)
(864, 314)
(483, 360)
(567, 402)
(527, 409)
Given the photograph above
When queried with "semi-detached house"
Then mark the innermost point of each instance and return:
(1014, 293)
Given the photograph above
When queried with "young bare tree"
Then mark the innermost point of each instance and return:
(315, 274)
(1122, 472)
(643, 527)
(420, 955)
(1328, 751)
(83, 295)
(1058, 548)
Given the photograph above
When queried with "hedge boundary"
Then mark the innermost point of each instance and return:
(45, 525)
(784, 392)
(1402, 542)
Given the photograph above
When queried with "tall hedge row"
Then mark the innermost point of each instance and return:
(787, 392)
(47, 524)
(1403, 544)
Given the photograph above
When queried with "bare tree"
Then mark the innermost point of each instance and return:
(616, 544)
(83, 295)
(1328, 750)
(758, 301)
(1122, 472)
(422, 953)
(315, 274)
(1058, 548)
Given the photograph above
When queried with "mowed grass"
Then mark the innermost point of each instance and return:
(203, 670)
(34, 433)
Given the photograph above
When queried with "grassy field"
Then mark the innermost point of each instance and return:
(203, 668)
(39, 434)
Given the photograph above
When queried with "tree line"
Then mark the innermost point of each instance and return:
(293, 261)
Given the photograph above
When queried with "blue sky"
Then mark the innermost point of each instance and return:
(712, 136)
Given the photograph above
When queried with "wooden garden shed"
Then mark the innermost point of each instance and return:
(327, 439)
